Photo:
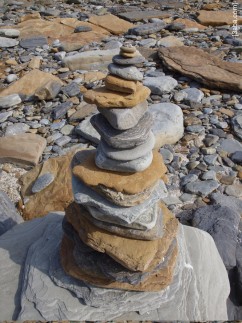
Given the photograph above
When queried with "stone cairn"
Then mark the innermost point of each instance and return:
(118, 234)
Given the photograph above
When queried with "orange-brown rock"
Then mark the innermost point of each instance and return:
(85, 169)
(105, 98)
(155, 282)
(30, 16)
(118, 84)
(111, 23)
(190, 23)
(136, 255)
(29, 83)
(217, 18)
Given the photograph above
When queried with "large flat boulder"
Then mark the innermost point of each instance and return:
(111, 23)
(217, 17)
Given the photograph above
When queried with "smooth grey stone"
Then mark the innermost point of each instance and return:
(193, 95)
(135, 136)
(42, 182)
(16, 129)
(209, 140)
(61, 109)
(9, 216)
(167, 155)
(146, 29)
(231, 202)
(147, 43)
(160, 85)
(168, 123)
(4, 115)
(44, 292)
(120, 60)
(10, 33)
(8, 42)
(123, 119)
(202, 188)
(222, 223)
(62, 141)
(234, 190)
(11, 78)
(210, 159)
(33, 42)
(81, 29)
(126, 72)
(104, 210)
(9, 101)
(86, 130)
(130, 166)
(237, 125)
(195, 129)
(72, 89)
(230, 145)
(188, 179)
(128, 153)
(57, 125)
(236, 157)
(211, 174)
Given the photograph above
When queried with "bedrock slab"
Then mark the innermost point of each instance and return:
(45, 283)
(123, 119)
(135, 136)
(105, 98)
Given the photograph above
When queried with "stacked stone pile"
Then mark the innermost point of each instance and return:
(118, 233)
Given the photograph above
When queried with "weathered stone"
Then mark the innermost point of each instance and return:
(123, 119)
(111, 23)
(140, 15)
(105, 98)
(119, 60)
(234, 190)
(28, 153)
(86, 130)
(237, 125)
(35, 63)
(118, 84)
(9, 216)
(160, 85)
(42, 182)
(90, 60)
(190, 23)
(230, 145)
(61, 109)
(33, 42)
(29, 83)
(48, 91)
(126, 72)
(203, 67)
(72, 89)
(170, 41)
(9, 101)
(8, 42)
(16, 129)
(83, 110)
(11, 33)
(147, 29)
(202, 188)
(217, 18)
(132, 137)
(81, 29)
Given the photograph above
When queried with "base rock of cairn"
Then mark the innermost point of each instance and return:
(122, 253)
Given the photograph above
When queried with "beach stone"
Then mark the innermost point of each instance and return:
(33, 42)
(146, 29)
(111, 23)
(132, 137)
(8, 42)
(29, 83)
(234, 190)
(223, 225)
(11, 78)
(168, 123)
(84, 166)
(217, 18)
(86, 130)
(130, 166)
(83, 110)
(190, 23)
(160, 85)
(237, 125)
(9, 101)
(236, 157)
(16, 129)
(90, 60)
(61, 109)
(230, 145)
(118, 84)
(126, 72)
(231, 202)
(128, 49)
(4, 115)
(81, 29)
(193, 95)
(123, 119)
(9, 216)
(105, 98)
(203, 67)
(48, 91)
(42, 182)
(138, 15)
(10, 33)
(130, 153)
(72, 89)
(202, 188)
(170, 41)
(120, 60)
(11, 151)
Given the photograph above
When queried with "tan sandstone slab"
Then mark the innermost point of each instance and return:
(118, 84)
(136, 255)
(29, 83)
(105, 98)
(129, 183)
(155, 282)
(24, 149)
(190, 23)
(111, 23)
(203, 67)
(217, 18)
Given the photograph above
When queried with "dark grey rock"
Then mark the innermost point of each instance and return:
(237, 157)
(61, 109)
(147, 29)
(231, 202)
(167, 155)
(222, 223)
(126, 72)
(81, 29)
(86, 130)
(202, 188)
(132, 137)
(9, 216)
(120, 60)
(42, 182)
(237, 125)
(72, 89)
(33, 42)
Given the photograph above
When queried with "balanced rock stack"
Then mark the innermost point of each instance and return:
(118, 234)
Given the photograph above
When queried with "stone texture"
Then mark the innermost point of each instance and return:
(237, 125)
(168, 123)
(16, 129)
(123, 119)
(146, 29)
(140, 15)
(48, 91)
(9, 101)
(160, 85)
(33, 42)
(105, 98)
(170, 41)
(198, 264)
(86, 130)
(11, 33)
(111, 23)
(203, 67)
(9, 216)
(132, 137)
(120, 85)
(126, 72)
(8, 42)
(90, 60)
(28, 153)
(202, 188)
(190, 23)
(42, 182)
(217, 18)
(120, 60)
(29, 83)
